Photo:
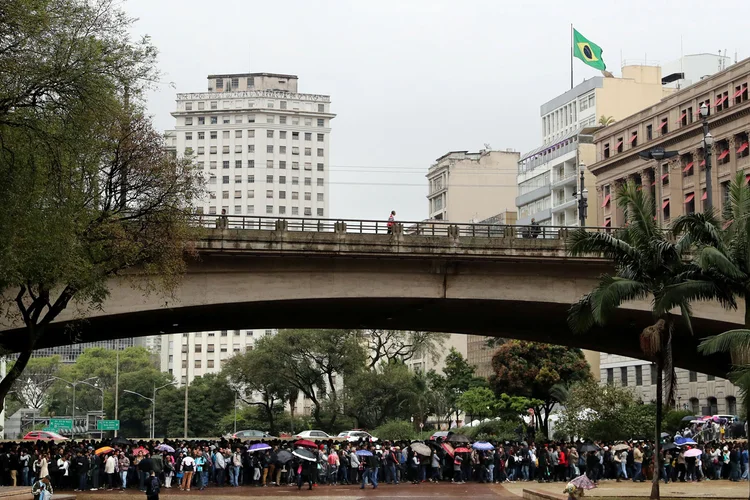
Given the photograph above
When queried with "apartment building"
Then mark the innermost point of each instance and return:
(548, 176)
(677, 184)
(469, 187)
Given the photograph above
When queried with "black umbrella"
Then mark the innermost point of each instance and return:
(589, 447)
(688, 419)
(305, 454)
(283, 456)
(122, 441)
(669, 446)
(459, 438)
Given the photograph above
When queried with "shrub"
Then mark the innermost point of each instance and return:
(395, 430)
(495, 430)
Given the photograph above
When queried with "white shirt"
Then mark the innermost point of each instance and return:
(189, 462)
(109, 465)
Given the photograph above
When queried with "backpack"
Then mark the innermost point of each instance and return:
(154, 485)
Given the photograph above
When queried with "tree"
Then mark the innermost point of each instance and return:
(459, 377)
(88, 186)
(313, 362)
(209, 399)
(254, 377)
(389, 392)
(537, 371)
(478, 402)
(606, 120)
(31, 391)
(646, 262)
(385, 346)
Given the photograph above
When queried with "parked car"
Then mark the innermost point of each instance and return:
(439, 434)
(355, 435)
(250, 434)
(312, 435)
(36, 435)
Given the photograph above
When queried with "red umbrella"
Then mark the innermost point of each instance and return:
(306, 444)
(448, 448)
(140, 451)
(462, 450)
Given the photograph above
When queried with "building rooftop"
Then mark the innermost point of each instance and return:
(244, 75)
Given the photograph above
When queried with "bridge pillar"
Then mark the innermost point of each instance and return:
(282, 225)
(339, 227)
(453, 231)
(398, 228)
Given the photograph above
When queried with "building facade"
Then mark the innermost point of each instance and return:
(692, 68)
(70, 353)
(701, 394)
(678, 184)
(548, 176)
(263, 147)
(469, 187)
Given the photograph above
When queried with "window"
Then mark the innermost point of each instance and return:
(269, 193)
(606, 150)
(731, 405)
(320, 212)
(638, 375)
(184, 362)
(320, 150)
(250, 118)
(250, 133)
(740, 93)
(308, 136)
(695, 406)
(269, 133)
(725, 193)
(189, 120)
(665, 209)
(201, 136)
(295, 195)
(687, 165)
(225, 120)
(282, 195)
(321, 108)
(741, 141)
(321, 137)
(282, 120)
(295, 165)
(282, 104)
(225, 164)
(664, 126)
(610, 376)
(308, 181)
(282, 134)
(690, 203)
(308, 211)
(624, 375)
(654, 374)
(237, 194)
(295, 210)
(320, 167)
(219, 83)
(282, 179)
(238, 119)
(320, 196)
(225, 179)
(722, 101)
(214, 120)
(308, 196)
(665, 174)
(213, 135)
(308, 166)
(282, 150)
(197, 363)
(308, 122)
(710, 378)
(238, 164)
(225, 195)
(269, 179)
(201, 150)
(250, 163)
(693, 376)
(295, 181)
(269, 148)
(198, 347)
(722, 152)
(210, 363)
(201, 164)
(270, 119)
(282, 164)
(713, 406)
(320, 182)
(188, 136)
(225, 150)
(295, 136)
(269, 163)
(214, 104)
(250, 209)
(201, 106)
(269, 209)
(321, 122)
(295, 150)
(649, 132)
(251, 193)
(251, 148)
(210, 348)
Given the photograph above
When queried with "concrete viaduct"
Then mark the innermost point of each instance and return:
(458, 279)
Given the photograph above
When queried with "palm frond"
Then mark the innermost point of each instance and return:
(581, 243)
(639, 212)
(740, 376)
(580, 318)
(675, 295)
(612, 292)
(699, 227)
(712, 258)
(687, 312)
(732, 341)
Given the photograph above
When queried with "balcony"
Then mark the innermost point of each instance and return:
(559, 181)
(559, 204)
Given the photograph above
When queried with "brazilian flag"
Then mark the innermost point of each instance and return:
(587, 51)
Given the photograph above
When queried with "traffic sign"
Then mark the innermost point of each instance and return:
(60, 423)
(108, 425)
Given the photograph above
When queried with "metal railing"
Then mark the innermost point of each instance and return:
(383, 227)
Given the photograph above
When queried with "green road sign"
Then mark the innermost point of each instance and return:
(108, 425)
(60, 423)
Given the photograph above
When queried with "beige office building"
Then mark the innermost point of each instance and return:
(470, 187)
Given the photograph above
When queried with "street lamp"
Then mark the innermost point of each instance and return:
(73, 385)
(583, 198)
(657, 154)
(153, 404)
(708, 142)
(96, 386)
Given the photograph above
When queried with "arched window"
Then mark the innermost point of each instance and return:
(695, 406)
(713, 406)
(731, 405)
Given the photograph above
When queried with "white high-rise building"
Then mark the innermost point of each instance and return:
(264, 149)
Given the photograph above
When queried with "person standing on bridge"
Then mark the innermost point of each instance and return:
(391, 221)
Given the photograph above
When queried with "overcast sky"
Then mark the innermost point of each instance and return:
(413, 79)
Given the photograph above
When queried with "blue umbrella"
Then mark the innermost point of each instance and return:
(482, 446)
(259, 447)
(682, 441)
(364, 453)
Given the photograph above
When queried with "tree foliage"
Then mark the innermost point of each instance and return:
(537, 371)
(32, 390)
(386, 346)
(395, 430)
(388, 392)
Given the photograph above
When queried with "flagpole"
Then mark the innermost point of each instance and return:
(571, 55)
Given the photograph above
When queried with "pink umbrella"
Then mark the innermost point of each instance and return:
(694, 452)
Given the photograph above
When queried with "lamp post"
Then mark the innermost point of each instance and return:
(95, 386)
(153, 404)
(73, 385)
(583, 198)
(657, 154)
(708, 142)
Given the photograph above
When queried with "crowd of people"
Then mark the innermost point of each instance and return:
(186, 465)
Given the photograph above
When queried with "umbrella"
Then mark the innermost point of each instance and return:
(665, 434)
(364, 453)
(140, 451)
(462, 450)
(589, 447)
(687, 419)
(121, 440)
(304, 443)
(421, 449)
(482, 445)
(305, 454)
(669, 446)
(583, 482)
(620, 447)
(259, 447)
(684, 441)
(105, 449)
(448, 448)
(695, 452)
(283, 456)
(165, 447)
(459, 438)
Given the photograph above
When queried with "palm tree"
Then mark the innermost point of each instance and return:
(606, 120)
(646, 262)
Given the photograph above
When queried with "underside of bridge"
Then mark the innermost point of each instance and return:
(535, 321)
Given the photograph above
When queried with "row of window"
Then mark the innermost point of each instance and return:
(226, 120)
(687, 116)
(238, 134)
(212, 165)
(269, 180)
(624, 370)
(269, 195)
(250, 210)
(251, 149)
(223, 333)
(227, 104)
